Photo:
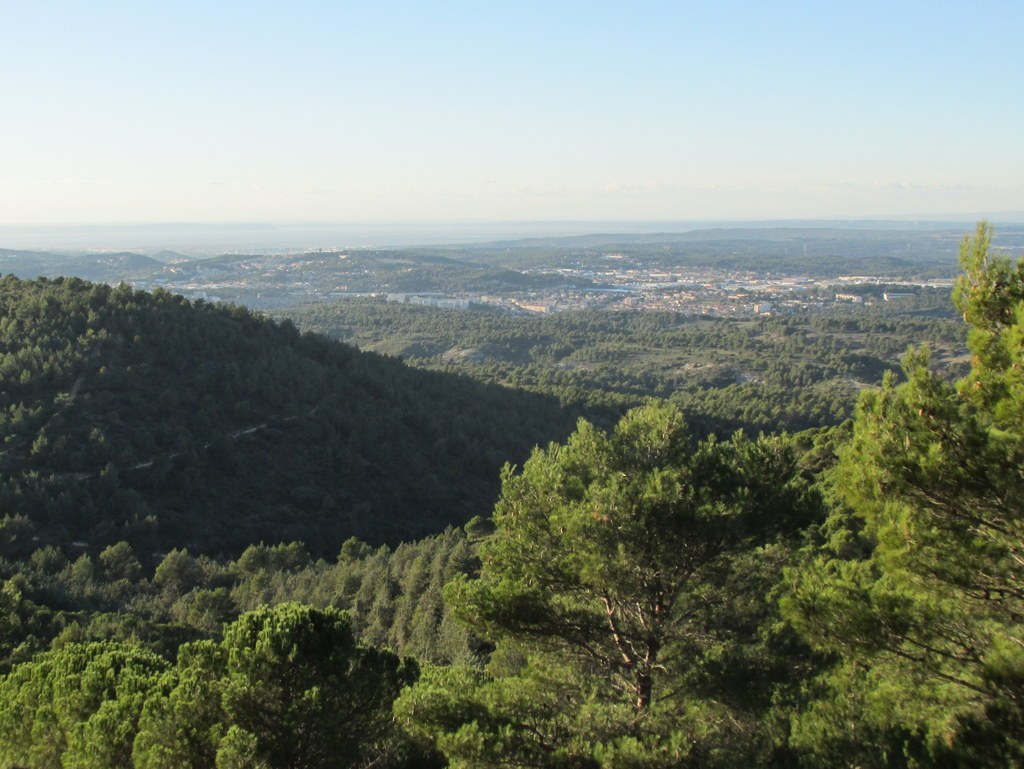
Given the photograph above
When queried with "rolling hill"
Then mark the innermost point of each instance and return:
(142, 416)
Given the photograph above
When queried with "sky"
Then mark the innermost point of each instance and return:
(334, 111)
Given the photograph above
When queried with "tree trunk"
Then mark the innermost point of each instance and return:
(643, 688)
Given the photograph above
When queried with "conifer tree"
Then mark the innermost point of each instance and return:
(918, 583)
(616, 579)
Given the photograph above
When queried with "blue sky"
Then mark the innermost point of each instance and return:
(383, 111)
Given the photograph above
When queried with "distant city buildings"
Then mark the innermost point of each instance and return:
(614, 281)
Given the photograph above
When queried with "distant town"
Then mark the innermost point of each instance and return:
(720, 272)
(271, 282)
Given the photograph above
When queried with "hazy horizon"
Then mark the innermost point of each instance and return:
(206, 238)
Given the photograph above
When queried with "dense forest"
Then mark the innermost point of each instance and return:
(789, 372)
(645, 592)
(142, 417)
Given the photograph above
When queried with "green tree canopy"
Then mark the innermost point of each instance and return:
(612, 556)
(917, 582)
(77, 706)
(288, 687)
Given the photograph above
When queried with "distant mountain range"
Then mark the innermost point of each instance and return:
(209, 239)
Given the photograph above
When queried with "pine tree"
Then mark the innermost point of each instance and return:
(617, 576)
(918, 582)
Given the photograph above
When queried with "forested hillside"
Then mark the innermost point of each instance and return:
(141, 417)
(790, 372)
(652, 606)
(643, 596)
